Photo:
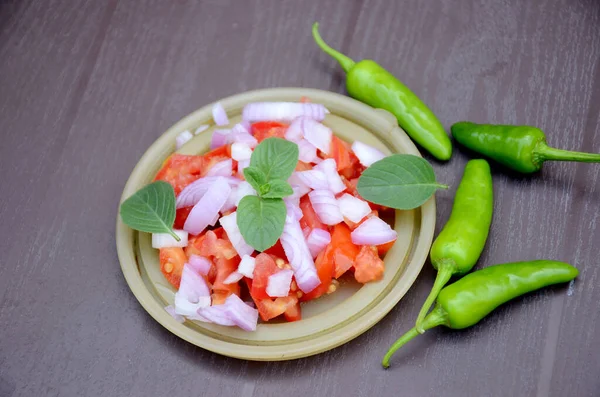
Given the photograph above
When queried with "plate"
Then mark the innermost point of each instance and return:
(328, 321)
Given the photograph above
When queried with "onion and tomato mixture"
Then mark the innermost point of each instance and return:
(330, 231)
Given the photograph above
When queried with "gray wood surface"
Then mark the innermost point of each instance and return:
(87, 86)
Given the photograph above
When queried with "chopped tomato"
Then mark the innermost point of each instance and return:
(344, 250)
(302, 166)
(171, 261)
(325, 270)
(224, 268)
(268, 129)
(209, 163)
(181, 216)
(368, 266)
(293, 313)
(180, 170)
(218, 297)
(223, 151)
(211, 244)
(270, 308)
(341, 152)
(263, 268)
(309, 216)
(384, 248)
(277, 251)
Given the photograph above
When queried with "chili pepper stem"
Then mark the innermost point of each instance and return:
(438, 316)
(445, 270)
(345, 61)
(544, 152)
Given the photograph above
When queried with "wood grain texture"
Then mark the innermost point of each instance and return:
(85, 89)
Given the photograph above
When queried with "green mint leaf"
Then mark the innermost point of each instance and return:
(255, 177)
(261, 221)
(401, 181)
(276, 157)
(264, 189)
(151, 209)
(278, 189)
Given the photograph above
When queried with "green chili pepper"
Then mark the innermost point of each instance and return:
(458, 246)
(470, 299)
(521, 148)
(370, 83)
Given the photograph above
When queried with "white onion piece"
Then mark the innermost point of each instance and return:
(201, 128)
(230, 226)
(293, 204)
(298, 254)
(353, 208)
(193, 192)
(220, 138)
(171, 310)
(318, 135)
(208, 207)
(325, 206)
(278, 284)
(296, 182)
(240, 313)
(193, 293)
(234, 277)
(164, 240)
(282, 111)
(215, 218)
(366, 154)
(222, 168)
(306, 151)
(314, 179)
(317, 240)
(244, 189)
(243, 164)
(241, 133)
(230, 204)
(217, 314)
(241, 128)
(246, 266)
(329, 168)
(200, 264)
(373, 231)
(295, 131)
(219, 114)
(183, 138)
(240, 151)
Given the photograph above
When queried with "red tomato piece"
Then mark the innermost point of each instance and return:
(181, 216)
(270, 308)
(277, 251)
(211, 243)
(268, 129)
(302, 166)
(263, 268)
(368, 266)
(180, 170)
(309, 216)
(345, 251)
(384, 248)
(293, 313)
(218, 297)
(325, 270)
(224, 268)
(171, 261)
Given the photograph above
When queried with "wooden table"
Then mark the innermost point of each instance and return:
(87, 86)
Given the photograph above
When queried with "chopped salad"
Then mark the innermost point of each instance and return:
(329, 232)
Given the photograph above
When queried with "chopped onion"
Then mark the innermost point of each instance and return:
(171, 310)
(297, 252)
(165, 240)
(366, 154)
(318, 135)
(183, 138)
(243, 164)
(220, 138)
(296, 182)
(201, 128)
(234, 277)
(326, 206)
(306, 151)
(240, 313)
(200, 264)
(193, 293)
(317, 240)
(207, 207)
(230, 203)
(222, 168)
(219, 114)
(293, 204)
(240, 133)
(373, 231)
(193, 192)
(217, 314)
(295, 131)
(241, 128)
(282, 111)
(314, 179)
(353, 208)
(278, 284)
(230, 226)
(246, 266)
(244, 189)
(329, 168)
(240, 151)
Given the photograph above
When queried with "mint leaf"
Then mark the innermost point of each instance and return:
(261, 221)
(255, 177)
(151, 209)
(278, 189)
(276, 158)
(401, 181)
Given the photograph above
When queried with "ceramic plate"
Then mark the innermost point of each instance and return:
(326, 322)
